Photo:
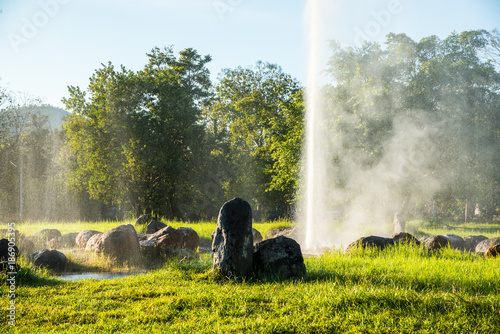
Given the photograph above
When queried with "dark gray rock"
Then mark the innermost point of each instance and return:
(144, 219)
(120, 242)
(471, 242)
(483, 246)
(168, 239)
(232, 245)
(83, 237)
(456, 241)
(371, 241)
(436, 242)
(279, 256)
(154, 226)
(405, 238)
(50, 259)
(69, 240)
(257, 237)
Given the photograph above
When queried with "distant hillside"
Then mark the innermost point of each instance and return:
(55, 115)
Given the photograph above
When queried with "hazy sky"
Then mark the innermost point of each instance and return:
(47, 45)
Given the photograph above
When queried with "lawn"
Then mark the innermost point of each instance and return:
(402, 289)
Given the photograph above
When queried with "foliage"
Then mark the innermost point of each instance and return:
(133, 141)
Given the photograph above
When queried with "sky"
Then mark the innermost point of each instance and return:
(47, 45)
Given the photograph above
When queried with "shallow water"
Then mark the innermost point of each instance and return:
(98, 276)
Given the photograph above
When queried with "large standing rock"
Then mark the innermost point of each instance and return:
(405, 238)
(471, 242)
(69, 240)
(233, 242)
(371, 241)
(83, 237)
(120, 242)
(46, 235)
(436, 242)
(52, 259)
(483, 246)
(456, 241)
(279, 256)
(154, 226)
(144, 219)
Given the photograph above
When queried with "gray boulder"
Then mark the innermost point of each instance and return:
(483, 246)
(471, 242)
(232, 245)
(149, 248)
(69, 240)
(405, 238)
(279, 256)
(154, 226)
(257, 237)
(144, 219)
(83, 237)
(46, 235)
(371, 241)
(50, 259)
(190, 239)
(120, 242)
(456, 241)
(168, 239)
(436, 242)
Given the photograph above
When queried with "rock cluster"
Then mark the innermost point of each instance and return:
(235, 254)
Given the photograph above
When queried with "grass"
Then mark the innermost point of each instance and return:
(399, 290)
(426, 228)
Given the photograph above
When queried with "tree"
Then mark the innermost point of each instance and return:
(249, 109)
(422, 117)
(133, 142)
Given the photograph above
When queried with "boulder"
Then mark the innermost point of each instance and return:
(190, 239)
(27, 246)
(69, 240)
(46, 235)
(50, 259)
(493, 251)
(149, 248)
(168, 238)
(54, 243)
(232, 245)
(456, 241)
(286, 232)
(257, 237)
(371, 241)
(83, 237)
(405, 238)
(279, 256)
(144, 219)
(483, 246)
(471, 242)
(154, 226)
(120, 242)
(436, 242)
(8, 248)
(142, 236)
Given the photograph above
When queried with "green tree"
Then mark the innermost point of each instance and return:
(133, 142)
(249, 108)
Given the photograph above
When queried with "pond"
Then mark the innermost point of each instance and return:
(98, 276)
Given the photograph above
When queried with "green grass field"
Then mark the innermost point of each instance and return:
(399, 290)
